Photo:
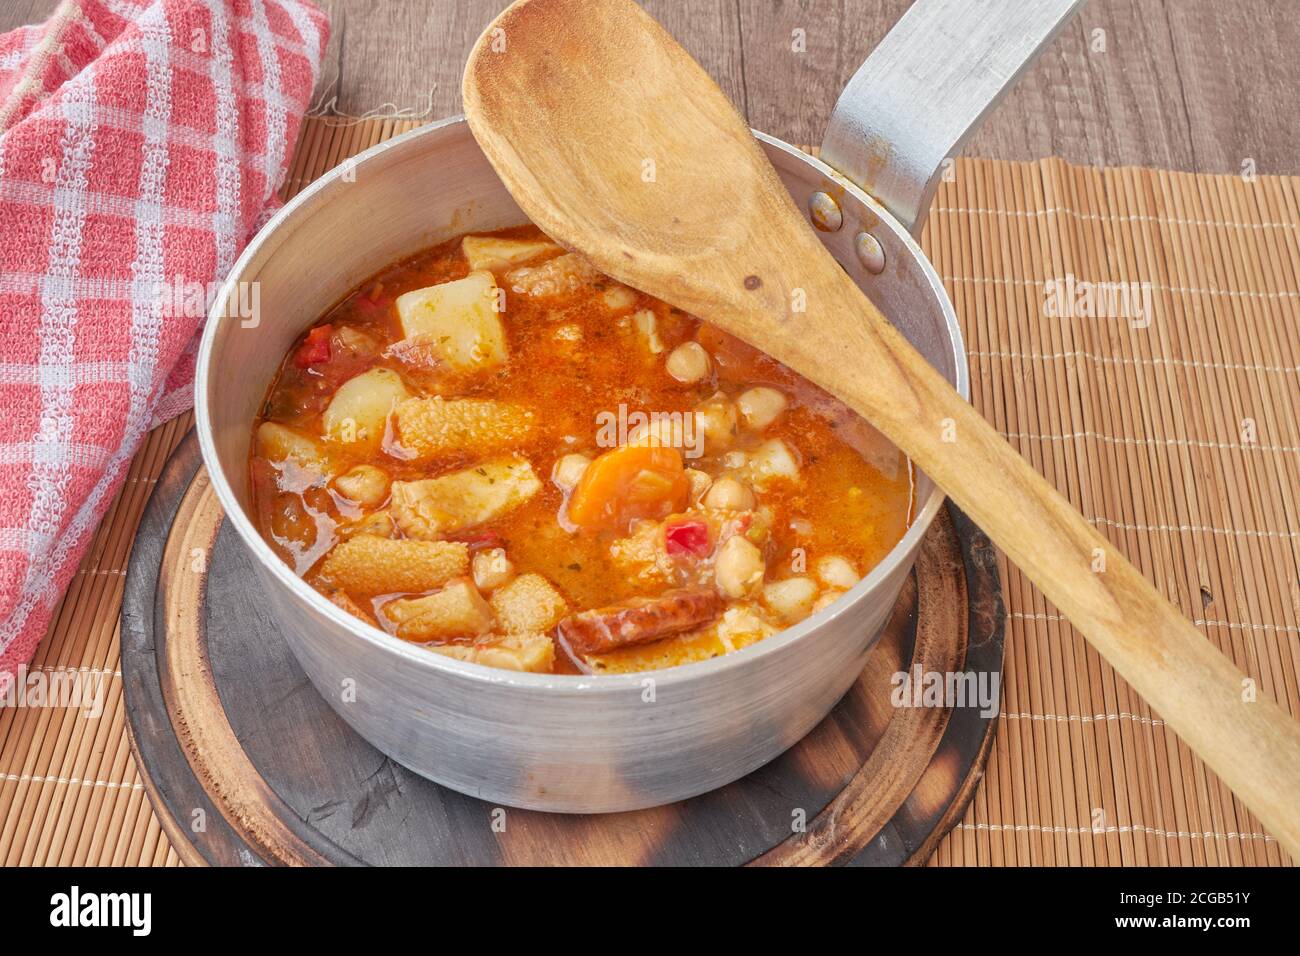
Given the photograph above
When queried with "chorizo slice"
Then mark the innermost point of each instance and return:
(640, 620)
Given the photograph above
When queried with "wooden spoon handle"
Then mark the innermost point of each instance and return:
(1246, 738)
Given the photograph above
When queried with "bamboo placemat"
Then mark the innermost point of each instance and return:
(1177, 437)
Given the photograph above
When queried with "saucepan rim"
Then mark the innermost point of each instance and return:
(381, 641)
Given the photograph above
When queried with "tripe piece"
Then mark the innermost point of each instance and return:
(369, 564)
(432, 426)
(431, 508)
(457, 610)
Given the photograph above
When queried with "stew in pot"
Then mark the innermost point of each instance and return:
(495, 451)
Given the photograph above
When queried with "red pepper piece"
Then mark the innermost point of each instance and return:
(315, 349)
(687, 537)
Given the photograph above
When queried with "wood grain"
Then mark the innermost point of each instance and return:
(185, 677)
(1196, 85)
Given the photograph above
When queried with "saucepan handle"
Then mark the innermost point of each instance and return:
(926, 87)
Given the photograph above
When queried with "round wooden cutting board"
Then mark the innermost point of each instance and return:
(246, 764)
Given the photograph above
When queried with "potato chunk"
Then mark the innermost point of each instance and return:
(458, 610)
(433, 426)
(528, 603)
(489, 252)
(364, 485)
(369, 564)
(516, 652)
(558, 276)
(457, 322)
(358, 412)
(433, 507)
(568, 470)
(277, 442)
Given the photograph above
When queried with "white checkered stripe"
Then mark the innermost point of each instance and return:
(141, 143)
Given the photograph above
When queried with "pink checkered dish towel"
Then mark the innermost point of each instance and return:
(141, 145)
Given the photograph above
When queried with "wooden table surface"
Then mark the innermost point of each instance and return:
(1196, 85)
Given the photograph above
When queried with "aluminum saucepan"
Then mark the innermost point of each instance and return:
(609, 742)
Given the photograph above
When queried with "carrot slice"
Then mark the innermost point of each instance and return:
(632, 481)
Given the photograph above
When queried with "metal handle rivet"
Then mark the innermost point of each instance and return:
(870, 253)
(825, 212)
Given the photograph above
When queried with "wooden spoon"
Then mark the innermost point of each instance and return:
(616, 143)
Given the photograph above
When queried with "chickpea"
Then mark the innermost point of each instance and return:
(759, 407)
(792, 598)
(770, 461)
(728, 494)
(836, 572)
(660, 432)
(365, 485)
(740, 568)
(618, 297)
(568, 470)
(717, 417)
(492, 569)
(701, 482)
(688, 363)
(829, 597)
